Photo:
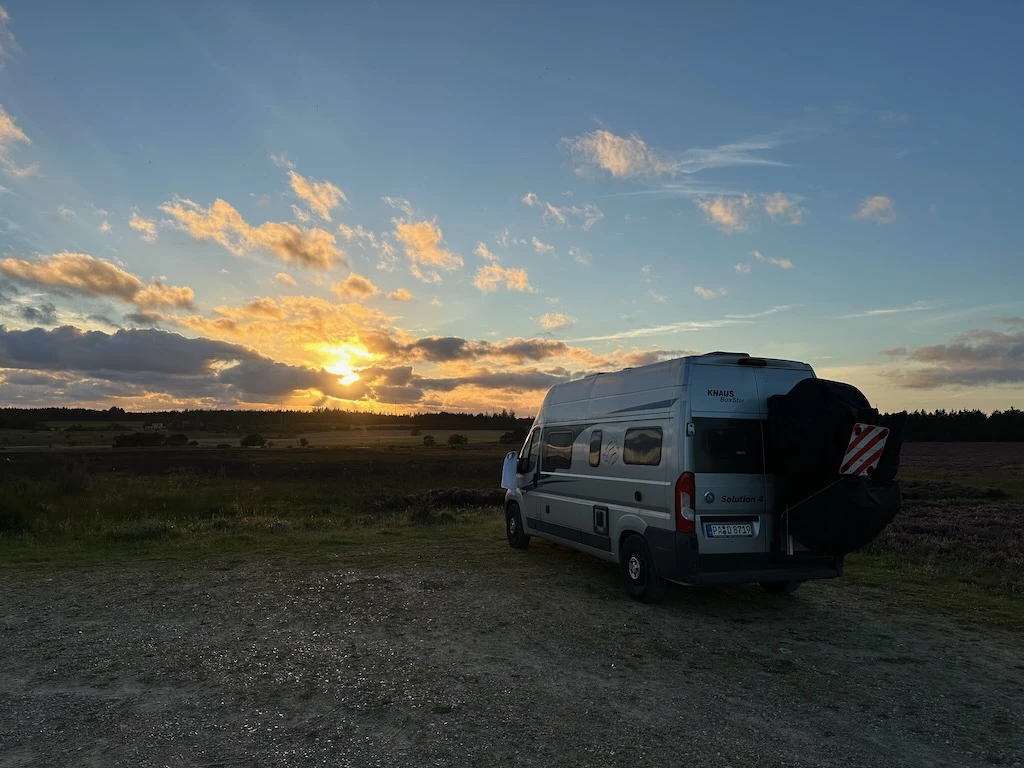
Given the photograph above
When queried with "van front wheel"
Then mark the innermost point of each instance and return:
(637, 565)
(517, 537)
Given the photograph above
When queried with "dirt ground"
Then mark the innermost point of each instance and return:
(534, 659)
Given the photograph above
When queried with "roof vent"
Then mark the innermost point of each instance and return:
(730, 354)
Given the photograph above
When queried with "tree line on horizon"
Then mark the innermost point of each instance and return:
(920, 426)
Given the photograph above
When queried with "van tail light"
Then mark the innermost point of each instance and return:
(685, 493)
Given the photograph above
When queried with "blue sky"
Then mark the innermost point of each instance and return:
(822, 184)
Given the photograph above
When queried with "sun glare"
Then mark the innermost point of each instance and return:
(338, 360)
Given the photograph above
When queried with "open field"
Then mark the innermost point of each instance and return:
(19, 439)
(305, 607)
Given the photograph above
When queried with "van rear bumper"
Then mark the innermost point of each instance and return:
(676, 558)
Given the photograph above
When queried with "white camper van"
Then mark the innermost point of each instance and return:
(662, 468)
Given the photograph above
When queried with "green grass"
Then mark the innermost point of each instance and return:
(929, 586)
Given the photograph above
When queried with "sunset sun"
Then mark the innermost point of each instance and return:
(339, 361)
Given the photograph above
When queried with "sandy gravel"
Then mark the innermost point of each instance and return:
(536, 660)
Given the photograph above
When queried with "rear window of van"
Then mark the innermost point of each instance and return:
(728, 446)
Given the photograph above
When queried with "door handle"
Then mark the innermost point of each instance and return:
(638, 496)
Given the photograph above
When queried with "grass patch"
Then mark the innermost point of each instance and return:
(973, 599)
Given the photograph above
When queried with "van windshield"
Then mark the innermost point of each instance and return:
(728, 446)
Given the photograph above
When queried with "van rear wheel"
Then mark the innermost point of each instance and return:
(517, 537)
(637, 566)
(780, 587)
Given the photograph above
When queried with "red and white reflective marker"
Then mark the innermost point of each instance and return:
(867, 442)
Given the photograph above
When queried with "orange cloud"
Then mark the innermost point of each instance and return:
(83, 274)
(145, 227)
(726, 213)
(285, 279)
(321, 196)
(422, 242)
(491, 277)
(401, 294)
(355, 286)
(312, 248)
(11, 134)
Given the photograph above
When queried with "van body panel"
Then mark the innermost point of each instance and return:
(613, 445)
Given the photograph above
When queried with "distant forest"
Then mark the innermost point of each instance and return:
(920, 426)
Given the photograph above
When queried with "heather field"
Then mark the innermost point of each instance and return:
(963, 509)
(964, 502)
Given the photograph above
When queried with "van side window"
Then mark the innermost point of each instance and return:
(528, 458)
(557, 451)
(642, 445)
(728, 446)
(595, 448)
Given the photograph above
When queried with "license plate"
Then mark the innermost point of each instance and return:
(728, 529)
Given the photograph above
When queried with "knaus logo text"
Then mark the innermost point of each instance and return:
(725, 395)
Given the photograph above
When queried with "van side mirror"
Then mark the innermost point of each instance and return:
(508, 471)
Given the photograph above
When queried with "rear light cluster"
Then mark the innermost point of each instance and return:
(685, 492)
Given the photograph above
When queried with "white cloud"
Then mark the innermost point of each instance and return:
(627, 156)
(10, 135)
(540, 246)
(282, 161)
(917, 306)
(726, 213)
(555, 321)
(429, 276)
(485, 253)
(645, 270)
(580, 256)
(878, 208)
(708, 293)
(505, 239)
(358, 234)
(781, 263)
(322, 197)
(436, 302)
(663, 330)
(399, 203)
(742, 268)
(656, 296)
(491, 277)
(145, 227)
(285, 279)
(7, 44)
(66, 213)
(300, 215)
(764, 313)
(588, 213)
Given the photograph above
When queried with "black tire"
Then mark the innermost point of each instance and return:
(517, 537)
(641, 580)
(780, 587)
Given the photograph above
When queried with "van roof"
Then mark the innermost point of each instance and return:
(667, 373)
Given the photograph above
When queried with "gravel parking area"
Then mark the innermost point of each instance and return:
(534, 660)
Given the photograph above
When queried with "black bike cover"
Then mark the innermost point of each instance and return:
(809, 430)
